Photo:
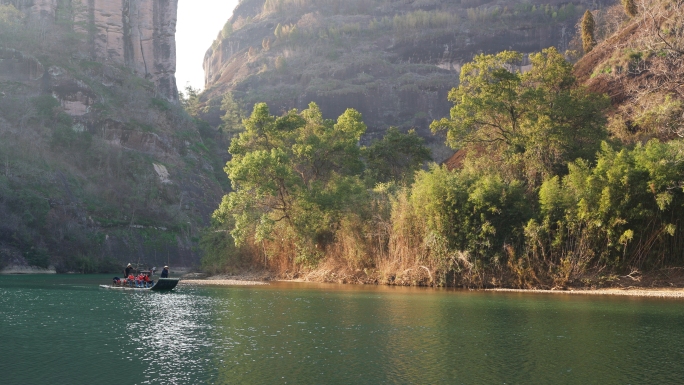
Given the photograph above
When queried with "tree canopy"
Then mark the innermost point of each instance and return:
(535, 121)
(297, 172)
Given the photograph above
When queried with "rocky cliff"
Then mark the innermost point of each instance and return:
(139, 34)
(394, 61)
(99, 166)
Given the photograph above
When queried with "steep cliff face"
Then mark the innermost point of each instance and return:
(394, 61)
(139, 34)
(98, 168)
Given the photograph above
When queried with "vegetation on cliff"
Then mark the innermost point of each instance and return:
(544, 197)
(639, 63)
(393, 61)
(98, 169)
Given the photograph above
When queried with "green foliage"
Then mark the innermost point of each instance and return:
(190, 100)
(46, 106)
(588, 32)
(468, 213)
(232, 119)
(293, 175)
(534, 123)
(664, 117)
(37, 257)
(10, 16)
(396, 157)
(227, 30)
(160, 104)
(622, 213)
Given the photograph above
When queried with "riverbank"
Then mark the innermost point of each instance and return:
(629, 292)
(257, 280)
(246, 279)
(221, 282)
(21, 270)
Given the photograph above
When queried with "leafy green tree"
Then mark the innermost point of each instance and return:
(293, 175)
(232, 119)
(588, 32)
(533, 123)
(190, 100)
(396, 157)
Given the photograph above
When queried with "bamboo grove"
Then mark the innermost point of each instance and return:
(542, 196)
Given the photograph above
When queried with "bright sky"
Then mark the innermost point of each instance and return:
(199, 22)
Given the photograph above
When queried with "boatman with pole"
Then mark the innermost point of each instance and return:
(128, 271)
(165, 272)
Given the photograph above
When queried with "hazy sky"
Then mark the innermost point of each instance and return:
(199, 22)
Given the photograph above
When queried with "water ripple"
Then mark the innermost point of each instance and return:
(63, 330)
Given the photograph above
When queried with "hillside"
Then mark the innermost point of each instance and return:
(640, 65)
(394, 61)
(100, 166)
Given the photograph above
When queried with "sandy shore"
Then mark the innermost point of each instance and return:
(257, 280)
(227, 280)
(220, 282)
(630, 292)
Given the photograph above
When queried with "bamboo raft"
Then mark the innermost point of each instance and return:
(162, 284)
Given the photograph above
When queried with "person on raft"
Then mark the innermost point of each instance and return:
(128, 271)
(165, 272)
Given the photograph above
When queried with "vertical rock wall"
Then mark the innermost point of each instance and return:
(140, 34)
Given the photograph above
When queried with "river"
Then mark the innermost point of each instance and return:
(66, 330)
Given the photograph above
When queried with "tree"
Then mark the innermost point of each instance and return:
(232, 119)
(588, 28)
(630, 8)
(190, 100)
(534, 123)
(9, 15)
(278, 32)
(227, 30)
(293, 175)
(396, 157)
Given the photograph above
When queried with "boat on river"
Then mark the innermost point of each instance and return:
(162, 284)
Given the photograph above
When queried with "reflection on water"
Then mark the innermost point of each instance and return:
(169, 333)
(64, 330)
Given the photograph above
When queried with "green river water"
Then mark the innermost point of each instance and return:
(66, 330)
